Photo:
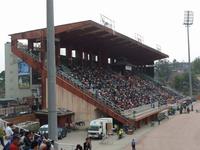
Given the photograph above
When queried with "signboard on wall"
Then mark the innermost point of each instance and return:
(23, 68)
(128, 68)
(24, 81)
(23, 75)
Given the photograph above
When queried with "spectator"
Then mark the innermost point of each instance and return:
(111, 86)
(9, 131)
(87, 144)
(34, 145)
(43, 145)
(1, 136)
(27, 141)
(15, 143)
(78, 147)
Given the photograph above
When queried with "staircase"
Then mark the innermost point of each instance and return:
(63, 80)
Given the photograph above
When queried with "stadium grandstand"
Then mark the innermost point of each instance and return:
(99, 72)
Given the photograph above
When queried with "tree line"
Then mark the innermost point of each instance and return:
(175, 74)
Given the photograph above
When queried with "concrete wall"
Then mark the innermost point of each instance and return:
(11, 76)
(83, 110)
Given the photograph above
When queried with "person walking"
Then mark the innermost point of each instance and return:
(133, 144)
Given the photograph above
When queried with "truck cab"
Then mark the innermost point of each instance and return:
(100, 127)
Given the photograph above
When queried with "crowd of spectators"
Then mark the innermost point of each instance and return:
(125, 91)
(13, 138)
(23, 140)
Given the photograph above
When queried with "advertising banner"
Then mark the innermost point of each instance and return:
(23, 75)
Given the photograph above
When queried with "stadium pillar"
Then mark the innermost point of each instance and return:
(30, 44)
(58, 62)
(43, 90)
(79, 56)
(104, 59)
(85, 56)
(43, 50)
(112, 61)
(69, 56)
(90, 55)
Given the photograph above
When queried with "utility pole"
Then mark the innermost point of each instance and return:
(51, 73)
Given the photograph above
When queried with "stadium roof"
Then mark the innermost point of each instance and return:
(96, 37)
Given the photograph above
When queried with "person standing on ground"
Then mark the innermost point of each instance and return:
(87, 145)
(133, 144)
(1, 136)
(9, 135)
(9, 131)
(158, 121)
(191, 107)
(188, 110)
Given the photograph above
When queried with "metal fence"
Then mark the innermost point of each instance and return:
(15, 110)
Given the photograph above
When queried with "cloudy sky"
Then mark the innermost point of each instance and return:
(158, 21)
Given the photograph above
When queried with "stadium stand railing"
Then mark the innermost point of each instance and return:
(140, 109)
(15, 110)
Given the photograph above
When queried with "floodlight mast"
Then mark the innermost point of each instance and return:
(51, 72)
(188, 21)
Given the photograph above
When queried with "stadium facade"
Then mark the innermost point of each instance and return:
(18, 77)
(85, 43)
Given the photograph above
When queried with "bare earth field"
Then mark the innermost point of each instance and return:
(179, 133)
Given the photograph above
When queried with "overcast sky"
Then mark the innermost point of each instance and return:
(158, 21)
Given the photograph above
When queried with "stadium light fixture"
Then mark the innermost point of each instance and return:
(107, 22)
(188, 21)
(188, 18)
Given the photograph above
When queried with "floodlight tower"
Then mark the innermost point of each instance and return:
(188, 21)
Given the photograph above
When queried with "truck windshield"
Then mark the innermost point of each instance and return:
(94, 128)
(43, 129)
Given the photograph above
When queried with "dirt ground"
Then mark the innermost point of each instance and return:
(179, 133)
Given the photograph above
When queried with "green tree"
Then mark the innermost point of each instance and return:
(163, 70)
(181, 83)
(196, 66)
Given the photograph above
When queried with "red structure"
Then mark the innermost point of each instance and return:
(90, 42)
